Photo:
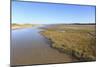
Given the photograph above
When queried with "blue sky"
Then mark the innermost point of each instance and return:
(46, 13)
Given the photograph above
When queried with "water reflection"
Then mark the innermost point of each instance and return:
(28, 46)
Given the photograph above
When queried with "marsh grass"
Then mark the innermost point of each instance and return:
(76, 40)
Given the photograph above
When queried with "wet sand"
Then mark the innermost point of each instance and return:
(28, 46)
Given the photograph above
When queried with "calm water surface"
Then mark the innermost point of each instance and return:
(28, 46)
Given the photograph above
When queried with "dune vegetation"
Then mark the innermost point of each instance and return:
(76, 40)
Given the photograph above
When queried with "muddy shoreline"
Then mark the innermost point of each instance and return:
(50, 42)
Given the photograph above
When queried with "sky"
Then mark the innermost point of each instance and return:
(49, 13)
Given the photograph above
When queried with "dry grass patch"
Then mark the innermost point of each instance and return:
(78, 41)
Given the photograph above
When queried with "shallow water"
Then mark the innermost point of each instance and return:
(28, 46)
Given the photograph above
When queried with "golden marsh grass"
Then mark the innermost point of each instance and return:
(76, 40)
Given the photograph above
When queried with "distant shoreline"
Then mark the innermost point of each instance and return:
(20, 26)
(15, 28)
